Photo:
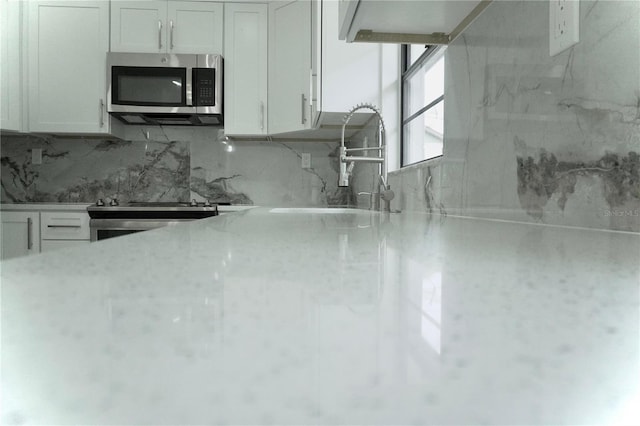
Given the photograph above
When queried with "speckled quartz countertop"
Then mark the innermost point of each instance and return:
(303, 317)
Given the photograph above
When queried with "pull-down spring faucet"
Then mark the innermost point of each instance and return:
(347, 163)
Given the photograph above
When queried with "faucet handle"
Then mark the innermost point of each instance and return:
(387, 194)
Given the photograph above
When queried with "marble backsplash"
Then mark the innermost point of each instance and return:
(173, 164)
(530, 137)
(75, 170)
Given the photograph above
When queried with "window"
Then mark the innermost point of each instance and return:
(422, 103)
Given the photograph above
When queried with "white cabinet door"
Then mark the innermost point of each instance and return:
(289, 66)
(138, 26)
(68, 43)
(166, 27)
(195, 27)
(20, 234)
(10, 65)
(246, 69)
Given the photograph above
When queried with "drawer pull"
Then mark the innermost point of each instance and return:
(64, 226)
(29, 237)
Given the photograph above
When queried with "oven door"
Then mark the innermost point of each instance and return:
(102, 229)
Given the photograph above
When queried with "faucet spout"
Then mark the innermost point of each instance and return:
(347, 162)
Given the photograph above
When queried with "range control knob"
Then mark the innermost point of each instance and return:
(194, 203)
(207, 203)
(100, 202)
(114, 202)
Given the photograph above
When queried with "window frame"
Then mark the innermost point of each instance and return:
(407, 70)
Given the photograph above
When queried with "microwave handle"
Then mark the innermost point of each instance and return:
(159, 34)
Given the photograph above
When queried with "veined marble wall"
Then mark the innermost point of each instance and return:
(531, 137)
(418, 188)
(173, 164)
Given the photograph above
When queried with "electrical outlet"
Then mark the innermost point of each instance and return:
(36, 156)
(306, 160)
(564, 25)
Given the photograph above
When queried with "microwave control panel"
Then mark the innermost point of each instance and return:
(204, 84)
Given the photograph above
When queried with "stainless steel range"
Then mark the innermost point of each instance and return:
(113, 219)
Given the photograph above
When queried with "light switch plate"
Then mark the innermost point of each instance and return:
(306, 160)
(564, 25)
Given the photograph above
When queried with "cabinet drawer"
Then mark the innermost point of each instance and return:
(64, 226)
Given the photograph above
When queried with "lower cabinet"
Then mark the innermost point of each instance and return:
(63, 229)
(20, 234)
(30, 232)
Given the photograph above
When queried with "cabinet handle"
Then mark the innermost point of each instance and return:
(159, 34)
(304, 101)
(261, 115)
(64, 226)
(29, 236)
(101, 112)
(311, 77)
(171, 34)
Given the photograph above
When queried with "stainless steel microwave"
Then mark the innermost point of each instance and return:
(165, 89)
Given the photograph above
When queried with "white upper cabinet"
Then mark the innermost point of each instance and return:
(67, 47)
(314, 78)
(406, 21)
(289, 66)
(10, 65)
(166, 26)
(195, 27)
(245, 62)
(138, 26)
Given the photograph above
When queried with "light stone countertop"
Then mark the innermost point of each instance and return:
(353, 317)
(44, 206)
(83, 207)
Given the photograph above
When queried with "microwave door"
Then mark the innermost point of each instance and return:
(150, 86)
(150, 83)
